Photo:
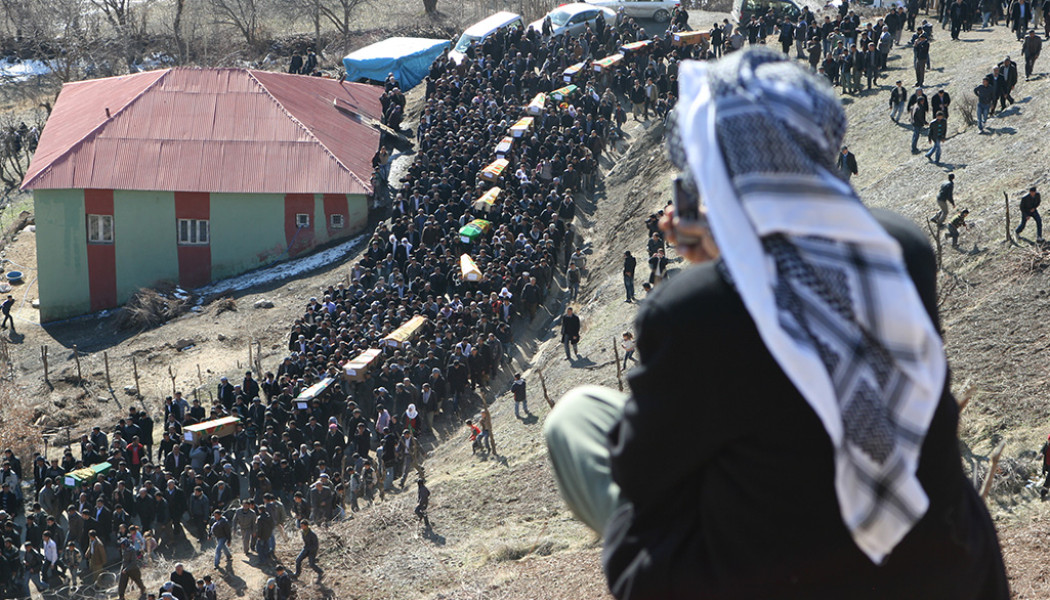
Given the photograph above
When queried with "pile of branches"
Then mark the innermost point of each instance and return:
(149, 308)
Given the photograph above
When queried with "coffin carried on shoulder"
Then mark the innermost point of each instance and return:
(608, 62)
(690, 38)
(357, 369)
(87, 475)
(469, 268)
(226, 426)
(488, 200)
(492, 172)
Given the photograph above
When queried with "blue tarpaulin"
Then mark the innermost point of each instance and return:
(409, 59)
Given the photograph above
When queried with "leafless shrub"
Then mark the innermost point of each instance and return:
(149, 308)
(968, 110)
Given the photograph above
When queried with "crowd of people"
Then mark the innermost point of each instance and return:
(296, 460)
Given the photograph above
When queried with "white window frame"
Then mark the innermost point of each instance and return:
(337, 221)
(96, 229)
(302, 220)
(193, 232)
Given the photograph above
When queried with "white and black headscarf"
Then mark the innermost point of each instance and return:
(826, 286)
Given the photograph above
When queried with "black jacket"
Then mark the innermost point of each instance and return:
(570, 327)
(1030, 202)
(726, 509)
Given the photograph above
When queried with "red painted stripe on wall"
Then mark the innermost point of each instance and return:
(194, 260)
(335, 204)
(299, 240)
(101, 257)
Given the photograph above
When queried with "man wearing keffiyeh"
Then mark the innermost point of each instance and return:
(822, 458)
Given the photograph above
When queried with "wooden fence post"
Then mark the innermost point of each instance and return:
(172, 375)
(1007, 198)
(543, 384)
(996, 454)
(109, 383)
(76, 358)
(619, 371)
(43, 357)
(135, 369)
(937, 242)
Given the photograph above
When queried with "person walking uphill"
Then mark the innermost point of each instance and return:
(309, 552)
(1030, 49)
(938, 131)
(945, 196)
(629, 264)
(1030, 210)
(5, 308)
(570, 332)
(985, 98)
(859, 442)
(847, 163)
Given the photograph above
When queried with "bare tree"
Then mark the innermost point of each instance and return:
(118, 12)
(430, 6)
(242, 15)
(337, 13)
(176, 25)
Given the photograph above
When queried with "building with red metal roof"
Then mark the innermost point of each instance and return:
(191, 175)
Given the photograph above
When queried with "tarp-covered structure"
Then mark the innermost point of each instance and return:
(409, 59)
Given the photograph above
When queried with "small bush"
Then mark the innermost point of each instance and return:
(149, 308)
(968, 110)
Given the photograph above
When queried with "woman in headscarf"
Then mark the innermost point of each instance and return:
(825, 461)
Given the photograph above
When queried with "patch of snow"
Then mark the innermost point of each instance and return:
(284, 270)
(20, 70)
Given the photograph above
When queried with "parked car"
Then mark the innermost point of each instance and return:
(483, 29)
(657, 10)
(573, 18)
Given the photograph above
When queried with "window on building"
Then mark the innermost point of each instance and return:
(302, 220)
(100, 229)
(193, 232)
(337, 221)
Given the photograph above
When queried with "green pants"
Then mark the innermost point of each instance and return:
(577, 432)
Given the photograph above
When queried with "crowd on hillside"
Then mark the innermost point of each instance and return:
(292, 461)
(295, 460)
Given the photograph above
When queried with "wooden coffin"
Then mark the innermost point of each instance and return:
(223, 427)
(608, 62)
(469, 269)
(521, 127)
(488, 200)
(538, 104)
(492, 172)
(87, 475)
(357, 369)
(401, 336)
(689, 38)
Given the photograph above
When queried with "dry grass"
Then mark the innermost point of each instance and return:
(149, 308)
(225, 304)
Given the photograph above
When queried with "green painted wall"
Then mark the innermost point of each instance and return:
(61, 253)
(146, 243)
(320, 221)
(247, 231)
(357, 215)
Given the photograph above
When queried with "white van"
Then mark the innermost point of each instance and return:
(483, 29)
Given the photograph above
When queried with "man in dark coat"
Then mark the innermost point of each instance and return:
(629, 263)
(570, 332)
(1030, 210)
(1030, 49)
(702, 529)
